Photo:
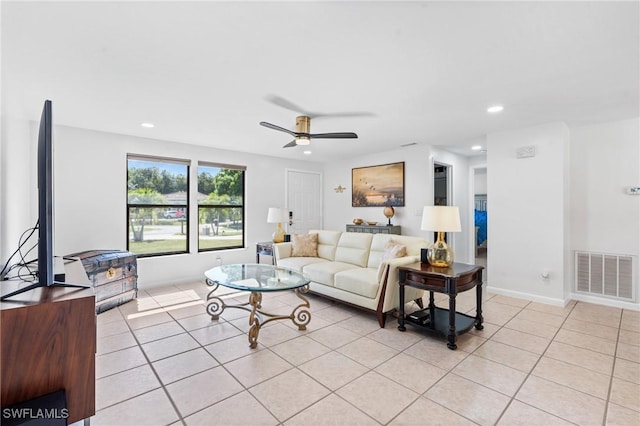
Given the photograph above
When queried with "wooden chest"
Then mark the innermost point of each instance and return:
(113, 274)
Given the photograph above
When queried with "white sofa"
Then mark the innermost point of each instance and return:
(352, 267)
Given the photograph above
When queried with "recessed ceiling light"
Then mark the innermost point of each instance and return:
(307, 152)
(495, 108)
(148, 125)
(476, 147)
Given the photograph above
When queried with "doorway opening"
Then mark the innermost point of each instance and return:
(480, 215)
(441, 189)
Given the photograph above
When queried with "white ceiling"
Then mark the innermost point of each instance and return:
(425, 71)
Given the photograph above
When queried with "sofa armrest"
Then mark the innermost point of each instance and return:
(281, 251)
(391, 265)
(390, 273)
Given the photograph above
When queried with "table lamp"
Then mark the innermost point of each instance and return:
(440, 219)
(276, 215)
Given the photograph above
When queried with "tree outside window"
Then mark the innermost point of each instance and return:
(157, 205)
(220, 207)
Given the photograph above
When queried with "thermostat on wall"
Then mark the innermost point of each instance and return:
(526, 151)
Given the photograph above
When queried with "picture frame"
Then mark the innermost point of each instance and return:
(377, 186)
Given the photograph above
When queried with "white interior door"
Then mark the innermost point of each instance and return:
(304, 201)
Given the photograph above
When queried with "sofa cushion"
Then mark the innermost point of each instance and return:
(324, 272)
(327, 242)
(298, 263)
(353, 248)
(304, 245)
(362, 281)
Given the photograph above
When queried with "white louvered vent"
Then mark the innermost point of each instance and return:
(605, 275)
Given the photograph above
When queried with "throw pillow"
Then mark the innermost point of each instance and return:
(304, 245)
(393, 249)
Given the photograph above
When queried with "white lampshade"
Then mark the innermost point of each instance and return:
(275, 215)
(441, 219)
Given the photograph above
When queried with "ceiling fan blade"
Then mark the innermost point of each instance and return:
(344, 114)
(284, 103)
(291, 144)
(338, 135)
(274, 127)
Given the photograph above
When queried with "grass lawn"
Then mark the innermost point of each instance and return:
(173, 245)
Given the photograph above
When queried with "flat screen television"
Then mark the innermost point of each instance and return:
(46, 273)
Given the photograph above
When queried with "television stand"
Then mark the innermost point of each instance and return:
(48, 344)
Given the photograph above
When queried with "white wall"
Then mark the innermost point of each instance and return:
(91, 197)
(528, 228)
(17, 182)
(604, 218)
(418, 182)
(418, 192)
(480, 181)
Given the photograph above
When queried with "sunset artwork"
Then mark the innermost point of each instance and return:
(378, 185)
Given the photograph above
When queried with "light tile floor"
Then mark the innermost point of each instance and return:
(161, 360)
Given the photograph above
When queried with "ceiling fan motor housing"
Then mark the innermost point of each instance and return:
(303, 124)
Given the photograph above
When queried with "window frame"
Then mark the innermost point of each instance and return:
(164, 206)
(242, 206)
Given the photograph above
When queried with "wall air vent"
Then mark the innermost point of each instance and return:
(607, 275)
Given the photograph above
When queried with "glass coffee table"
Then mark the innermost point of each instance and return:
(258, 279)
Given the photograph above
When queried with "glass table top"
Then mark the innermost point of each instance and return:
(256, 277)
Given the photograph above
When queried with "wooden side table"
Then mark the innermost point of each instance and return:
(265, 248)
(457, 278)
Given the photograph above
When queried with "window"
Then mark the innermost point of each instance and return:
(220, 206)
(157, 205)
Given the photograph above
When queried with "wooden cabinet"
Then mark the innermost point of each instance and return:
(49, 344)
(375, 229)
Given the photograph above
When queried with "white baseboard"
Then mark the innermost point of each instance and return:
(562, 303)
(527, 296)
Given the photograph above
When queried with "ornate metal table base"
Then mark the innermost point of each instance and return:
(300, 315)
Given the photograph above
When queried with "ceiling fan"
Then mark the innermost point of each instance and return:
(302, 134)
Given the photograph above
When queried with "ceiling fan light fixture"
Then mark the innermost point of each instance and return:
(302, 140)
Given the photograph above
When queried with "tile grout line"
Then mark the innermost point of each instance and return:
(150, 364)
(613, 369)
(529, 374)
